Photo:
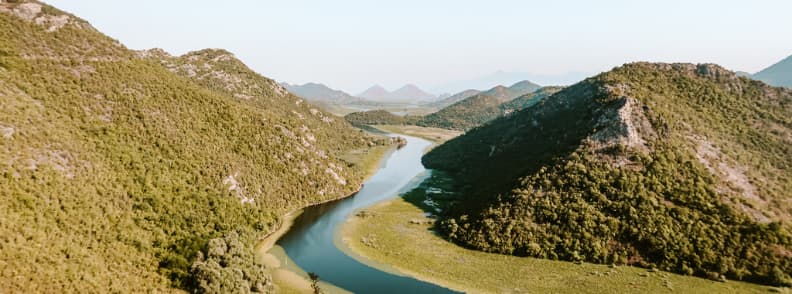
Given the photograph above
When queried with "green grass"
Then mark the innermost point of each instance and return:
(436, 135)
(398, 234)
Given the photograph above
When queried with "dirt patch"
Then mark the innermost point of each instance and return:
(624, 125)
(33, 12)
(733, 176)
(7, 132)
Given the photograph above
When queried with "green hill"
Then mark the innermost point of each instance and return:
(465, 114)
(682, 167)
(379, 117)
(453, 98)
(125, 171)
(482, 108)
(779, 74)
(504, 93)
(528, 100)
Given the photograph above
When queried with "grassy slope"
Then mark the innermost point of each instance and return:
(117, 174)
(432, 134)
(557, 181)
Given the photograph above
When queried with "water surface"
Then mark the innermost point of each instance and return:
(309, 242)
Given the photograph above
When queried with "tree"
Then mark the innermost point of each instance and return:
(315, 283)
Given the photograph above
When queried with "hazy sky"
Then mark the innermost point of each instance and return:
(352, 44)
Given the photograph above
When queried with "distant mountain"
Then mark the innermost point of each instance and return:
(376, 93)
(411, 92)
(475, 108)
(503, 93)
(453, 98)
(524, 87)
(679, 167)
(507, 78)
(316, 92)
(779, 74)
(408, 93)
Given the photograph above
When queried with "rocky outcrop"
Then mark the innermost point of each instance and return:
(34, 12)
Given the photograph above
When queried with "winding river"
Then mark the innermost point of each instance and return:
(310, 241)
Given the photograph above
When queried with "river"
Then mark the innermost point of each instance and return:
(310, 241)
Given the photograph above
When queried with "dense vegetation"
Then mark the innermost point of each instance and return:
(676, 166)
(468, 113)
(135, 171)
(529, 99)
(479, 109)
(379, 117)
(779, 74)
(508, 93)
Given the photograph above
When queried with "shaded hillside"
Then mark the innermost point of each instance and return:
(779, 74)
(528, 100)
(468, 113)
(379, 117)
(677, 166)
(479, 109)
(132, 171)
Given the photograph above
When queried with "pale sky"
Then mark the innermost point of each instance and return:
(353, 44)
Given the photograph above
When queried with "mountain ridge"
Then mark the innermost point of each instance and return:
(778, 74)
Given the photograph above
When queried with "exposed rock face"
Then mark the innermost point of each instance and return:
(31, 11)
(7, 132)
(624, 124)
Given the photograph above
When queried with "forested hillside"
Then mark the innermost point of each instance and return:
(379, 117)
(529, 99)
(481, 108)
(125, 171)
(682, 167)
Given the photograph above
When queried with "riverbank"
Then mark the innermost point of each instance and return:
(287, 277)
(436, 135)
(398, 234)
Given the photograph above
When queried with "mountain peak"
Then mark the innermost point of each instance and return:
(409, 87)
(524, 84)
(779, 74)
(407, 93)
(412, 93)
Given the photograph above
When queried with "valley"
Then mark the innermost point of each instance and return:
(129, 168)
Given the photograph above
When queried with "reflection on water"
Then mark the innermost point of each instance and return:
(309, 242)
